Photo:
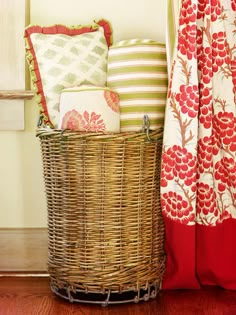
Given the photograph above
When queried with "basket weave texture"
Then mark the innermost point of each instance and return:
(105, 226)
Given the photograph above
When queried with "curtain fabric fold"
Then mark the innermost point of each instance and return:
(198, 179)
(172, 23)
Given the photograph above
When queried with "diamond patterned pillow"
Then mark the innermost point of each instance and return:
(60, 57)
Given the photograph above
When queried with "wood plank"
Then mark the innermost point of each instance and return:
(23, 250)
(16, 94)
(32, 295)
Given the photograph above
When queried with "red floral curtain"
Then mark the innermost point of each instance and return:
(198, 180)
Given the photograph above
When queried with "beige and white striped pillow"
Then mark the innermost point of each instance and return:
(137, 71)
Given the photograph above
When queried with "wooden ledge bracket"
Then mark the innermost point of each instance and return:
(16, 95)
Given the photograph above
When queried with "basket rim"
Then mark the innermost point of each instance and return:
(130, 135)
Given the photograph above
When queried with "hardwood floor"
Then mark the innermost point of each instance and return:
(32, 295)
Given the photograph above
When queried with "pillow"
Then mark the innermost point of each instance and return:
(137, 70)
(59, 56)
(89, 108)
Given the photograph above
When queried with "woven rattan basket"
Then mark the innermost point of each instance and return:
(105, 226)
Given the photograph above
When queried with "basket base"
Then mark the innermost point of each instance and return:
(108, 297)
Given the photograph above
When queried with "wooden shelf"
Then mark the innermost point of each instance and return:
(16, 95)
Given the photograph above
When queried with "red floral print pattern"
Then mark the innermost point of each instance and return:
(71, 120)
(87, 122)
(225, 174)
(205, 108)
(204, 60)
(206, 200)
(224, 124)
(204, 55)
(175, 207)
(112, 100)
(213, 9)
(186, 43)
(205, 153)
(93, 122)
(233, 5)
(187, 14)
(199, 153)
(180, 164)
(233, 69)
(220, 50)
(188, 99)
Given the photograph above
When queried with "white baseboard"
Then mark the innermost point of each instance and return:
(23, 250)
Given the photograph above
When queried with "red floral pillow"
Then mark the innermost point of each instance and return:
(89, 108)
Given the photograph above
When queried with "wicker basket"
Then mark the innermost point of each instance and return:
(106, 231)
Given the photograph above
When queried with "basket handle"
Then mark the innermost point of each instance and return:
(146, 128)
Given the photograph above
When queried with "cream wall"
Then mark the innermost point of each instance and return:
(129, 18)
(21, 186)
